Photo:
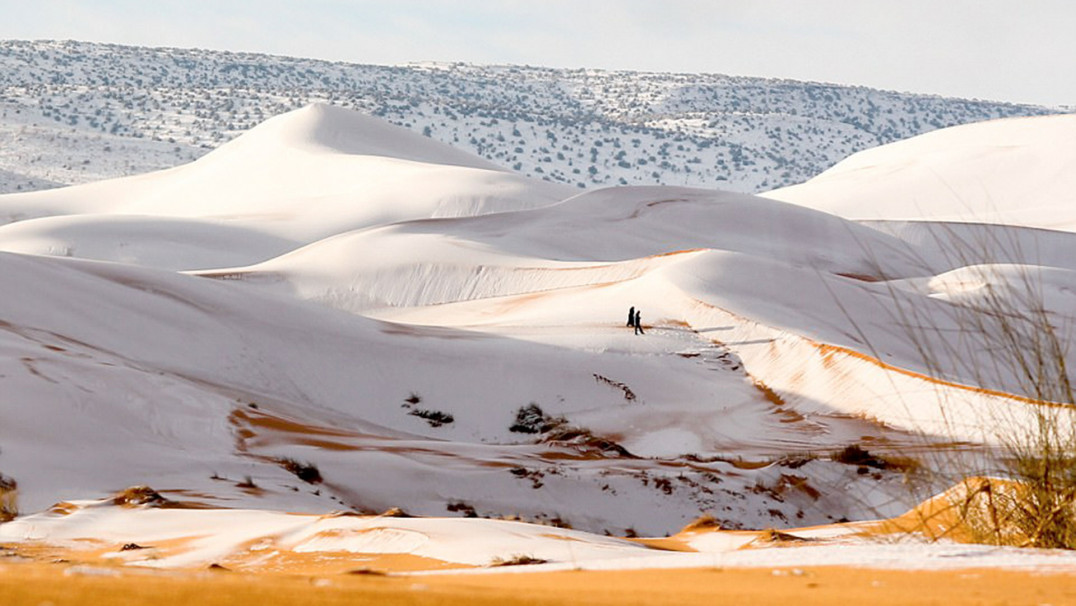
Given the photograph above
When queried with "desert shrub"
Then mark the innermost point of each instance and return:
(518, 559)
(8, 498)
(466, 509)
(435, 418)
(364, 571)
(1023, 492)
(247, 483)
(854, 454)
(307, 472)
(532, 419)
(1040, 456)
(1008, 512)
(795, 460)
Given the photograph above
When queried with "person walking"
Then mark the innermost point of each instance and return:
(631, 316)
(639, 323)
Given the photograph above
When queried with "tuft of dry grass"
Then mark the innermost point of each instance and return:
(1024, 491)
(9, 490)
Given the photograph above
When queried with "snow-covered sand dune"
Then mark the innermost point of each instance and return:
(329, 312)
(168, 536)
(296, 178)
(1017, 171)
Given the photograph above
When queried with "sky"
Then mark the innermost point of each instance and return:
(1001, 50)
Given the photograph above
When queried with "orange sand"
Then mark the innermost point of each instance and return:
(60, 584)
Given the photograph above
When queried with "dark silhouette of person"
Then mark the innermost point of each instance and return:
(631, 316)
(639, 323)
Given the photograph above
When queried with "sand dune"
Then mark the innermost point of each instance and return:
(1015, 171)
(429, 332)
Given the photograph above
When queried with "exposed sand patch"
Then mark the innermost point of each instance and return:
(33, 584)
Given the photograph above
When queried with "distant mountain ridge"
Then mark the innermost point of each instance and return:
(72, 112)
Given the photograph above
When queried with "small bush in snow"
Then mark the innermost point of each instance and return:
(466, 509)
(532, 419)
(435, 418)
(306, 472)
(518, 559)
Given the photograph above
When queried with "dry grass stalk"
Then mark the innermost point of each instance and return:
(1023, 491)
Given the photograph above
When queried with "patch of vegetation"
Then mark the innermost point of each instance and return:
(435, 418)
(247, 483)
(629, 395)
(556, 521)
(373, 572)
(307, 472)
(534, 475)
(466, 509)
(583, 439)
(796, 483)
(795, 460)
(664, 485)
(854, 454)
(532, 419)
(1012, 337)
(8, 504)
(518, 559)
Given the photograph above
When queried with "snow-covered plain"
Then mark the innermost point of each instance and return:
(431, 332)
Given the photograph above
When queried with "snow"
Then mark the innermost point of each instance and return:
(1016, 171)
(332, 290)
(215, 535)
(298, 177)
(75, 112)
(244, 539)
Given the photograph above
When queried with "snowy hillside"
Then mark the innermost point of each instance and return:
(330, 312)
(74, 112)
